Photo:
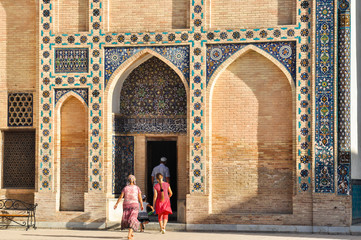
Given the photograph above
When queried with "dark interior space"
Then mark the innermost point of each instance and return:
(156, 150)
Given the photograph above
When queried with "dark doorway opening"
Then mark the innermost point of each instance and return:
(156, 150)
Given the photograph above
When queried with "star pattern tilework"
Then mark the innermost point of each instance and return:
(344, 81)
(324, 97)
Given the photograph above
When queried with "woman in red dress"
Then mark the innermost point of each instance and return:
(162, 193)
(132, 198)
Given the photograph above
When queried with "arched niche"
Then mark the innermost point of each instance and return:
(251, 126)
(72, 166)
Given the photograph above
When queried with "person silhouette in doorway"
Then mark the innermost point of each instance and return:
(163, 169)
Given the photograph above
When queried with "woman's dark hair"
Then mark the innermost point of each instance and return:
(159, 176)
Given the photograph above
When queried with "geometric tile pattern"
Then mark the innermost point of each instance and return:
(153, 99)
(344, 81)
(284, 52)
(178, 55)
(20, 109)
(19, 159)
(123, 161)
(324, 97)
(71, 60)
(159, 125)
(60, 92)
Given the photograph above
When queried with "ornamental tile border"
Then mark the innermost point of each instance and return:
(324, 97)
(344, 81)
(303, 96)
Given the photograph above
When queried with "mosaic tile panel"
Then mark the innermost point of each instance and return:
(20, 109)
(71, 60)
(150, 125)
(324, 97)
(60, 92)
(152, 100)
(123, 161)
(19, 160)
(178, 55)
(284, 52)
(344, 81)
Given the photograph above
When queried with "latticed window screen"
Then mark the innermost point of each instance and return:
(19, 159)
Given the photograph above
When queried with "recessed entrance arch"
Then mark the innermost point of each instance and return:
(148, 99)
(256, 145)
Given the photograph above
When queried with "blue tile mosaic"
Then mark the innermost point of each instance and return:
(150, 125)
(356, 199)
(71, 60)
(344, 85)
(60, 92)
(123, 161)
(324, 97)
(153, 99)
(284, 52)
(115, 56)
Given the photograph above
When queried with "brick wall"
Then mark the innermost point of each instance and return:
(72, 15)
(148, 15)
(18, 65)
(73, 162)
(252, 157)
(18, 52)
(251, 14)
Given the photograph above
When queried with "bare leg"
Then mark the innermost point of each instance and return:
(161, 224)
(165, 221)
(130, 233)
(160, 220)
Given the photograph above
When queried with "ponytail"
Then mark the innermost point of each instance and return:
(159, 176)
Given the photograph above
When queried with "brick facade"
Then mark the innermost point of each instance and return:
(253, 119)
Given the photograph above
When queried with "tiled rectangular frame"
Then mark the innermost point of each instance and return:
(196, 38)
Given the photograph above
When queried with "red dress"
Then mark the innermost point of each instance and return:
(162, 207)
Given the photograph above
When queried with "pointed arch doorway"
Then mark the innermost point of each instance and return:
(149, 105)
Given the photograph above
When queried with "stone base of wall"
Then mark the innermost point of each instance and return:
(354, 230)
(308, 210)
(48, 210)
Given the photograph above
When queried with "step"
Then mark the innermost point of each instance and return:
(152, 226)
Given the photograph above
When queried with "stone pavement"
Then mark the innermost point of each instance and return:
(62, 234)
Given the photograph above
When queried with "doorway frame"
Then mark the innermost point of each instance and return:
(182, 162)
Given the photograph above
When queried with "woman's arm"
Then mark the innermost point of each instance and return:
(170, 193)
(120, 198)
(140, 200)
(150, 206)
(154, 196)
